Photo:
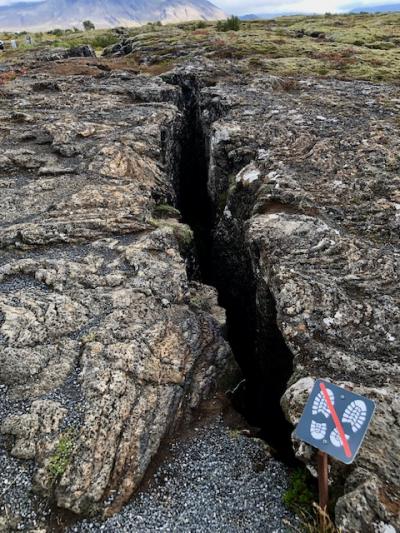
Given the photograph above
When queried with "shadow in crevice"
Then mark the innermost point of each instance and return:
(223, 261)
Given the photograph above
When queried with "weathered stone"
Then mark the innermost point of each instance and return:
(98, 320)
(94, 292)
(306, 192)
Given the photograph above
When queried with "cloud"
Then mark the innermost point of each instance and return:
(10, 2)
(296, 6)
(276, 6)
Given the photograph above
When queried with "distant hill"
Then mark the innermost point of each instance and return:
(266, 16)
(363, 9)
(49, 14)
(253, 16)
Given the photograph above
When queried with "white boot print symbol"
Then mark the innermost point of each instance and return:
(355, 414)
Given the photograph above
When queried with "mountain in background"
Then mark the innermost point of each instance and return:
(266, 16)
(49, 14)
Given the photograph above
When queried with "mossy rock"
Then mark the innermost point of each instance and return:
(166, 211)
(183, 233)
(381, 45)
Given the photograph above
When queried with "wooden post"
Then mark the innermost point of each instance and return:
(322, 462)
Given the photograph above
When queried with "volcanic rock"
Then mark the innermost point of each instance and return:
(106, 344)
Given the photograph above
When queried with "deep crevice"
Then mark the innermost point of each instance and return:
(193, 200)
(224, 262)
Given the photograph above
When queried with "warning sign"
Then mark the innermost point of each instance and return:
(335, 420)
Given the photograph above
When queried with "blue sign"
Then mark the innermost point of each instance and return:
(335, 420)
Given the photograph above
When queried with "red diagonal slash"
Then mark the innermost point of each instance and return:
(335, 417)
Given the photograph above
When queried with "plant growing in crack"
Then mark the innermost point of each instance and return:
(61, 457)
(301, 493)
(301, 497)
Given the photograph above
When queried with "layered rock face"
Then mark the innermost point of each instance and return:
(305, 180)
(105, 345)
(102, 352)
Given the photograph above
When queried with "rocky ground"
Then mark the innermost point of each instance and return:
(216, 480)
(108, 342)
(94, 286)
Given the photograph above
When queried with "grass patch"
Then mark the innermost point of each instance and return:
(315, 521)
(61, 458)
(302, 493)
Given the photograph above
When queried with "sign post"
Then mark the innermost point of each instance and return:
(335, 421)
(323, 488)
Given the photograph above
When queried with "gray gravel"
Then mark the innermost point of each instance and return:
(216, 481)
(19, 508)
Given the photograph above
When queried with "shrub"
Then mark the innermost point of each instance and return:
(230, 24)
(102, 41)
(57, 32)
(88, 25)
(201, 25)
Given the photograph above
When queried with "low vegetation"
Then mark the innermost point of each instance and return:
(354, 46)
(62, 455)
(230, 24)
(301, 493)
(301, 497)
(316, 521)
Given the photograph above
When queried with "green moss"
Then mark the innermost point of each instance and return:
(166, 211)
(200, 302)
(183, 233)
(381, 45)
(61, 458)
(356, 46)
(301, 493)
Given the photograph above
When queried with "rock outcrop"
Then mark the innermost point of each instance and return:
(105, 344)
(305, 181)
(99, 340)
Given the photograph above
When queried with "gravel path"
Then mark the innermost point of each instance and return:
(216, 481)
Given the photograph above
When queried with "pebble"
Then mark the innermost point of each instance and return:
(217, 480)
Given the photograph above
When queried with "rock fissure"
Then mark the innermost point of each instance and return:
(226, 263)
(292, 197)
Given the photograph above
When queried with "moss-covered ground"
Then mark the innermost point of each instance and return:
(355, 46)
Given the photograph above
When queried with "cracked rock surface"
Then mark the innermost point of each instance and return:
(101, 352)
(306, 187)
(105, 345)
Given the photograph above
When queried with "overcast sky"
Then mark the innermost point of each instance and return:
(307, 6)
(277, 6)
